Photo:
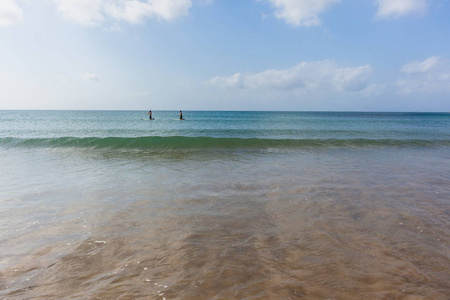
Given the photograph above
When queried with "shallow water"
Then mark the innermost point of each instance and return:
(249, 220)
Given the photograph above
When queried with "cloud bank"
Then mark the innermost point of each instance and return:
(301, 12)
(307, 12)
(10, 13)
(95, 12)
(399, 8)
(325, 78)
(429, 76)
(294, 12)
(305, 78)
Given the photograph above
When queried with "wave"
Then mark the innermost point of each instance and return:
(194, 143)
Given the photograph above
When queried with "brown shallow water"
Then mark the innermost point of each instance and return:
(330, 224)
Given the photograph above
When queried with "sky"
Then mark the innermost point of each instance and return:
(288, 55)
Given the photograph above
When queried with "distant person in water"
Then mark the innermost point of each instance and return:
(181, 115)
(150, 114)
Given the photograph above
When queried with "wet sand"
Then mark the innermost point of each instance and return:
(311, 226)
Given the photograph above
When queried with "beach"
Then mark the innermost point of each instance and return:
(224, 205)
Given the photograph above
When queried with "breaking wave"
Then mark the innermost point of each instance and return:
(192, 143)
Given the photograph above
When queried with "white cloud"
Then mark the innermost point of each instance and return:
(228, 82)
(306, 77)
(301, 12)
(130, 11)
(94, 12)
(263, 16)
(90, 76)
(84, 12)
(135, 11)
(421, 67)
(10, 13)
(429, 76)
(398, 8)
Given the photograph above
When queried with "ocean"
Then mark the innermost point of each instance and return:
(224, 205)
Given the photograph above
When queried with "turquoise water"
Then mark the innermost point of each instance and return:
(224, 205)
(319, 126)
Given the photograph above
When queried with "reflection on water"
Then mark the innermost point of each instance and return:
(339, 224)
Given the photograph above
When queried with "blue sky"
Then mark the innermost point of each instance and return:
(344, 55)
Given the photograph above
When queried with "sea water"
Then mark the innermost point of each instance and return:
(224, 205)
